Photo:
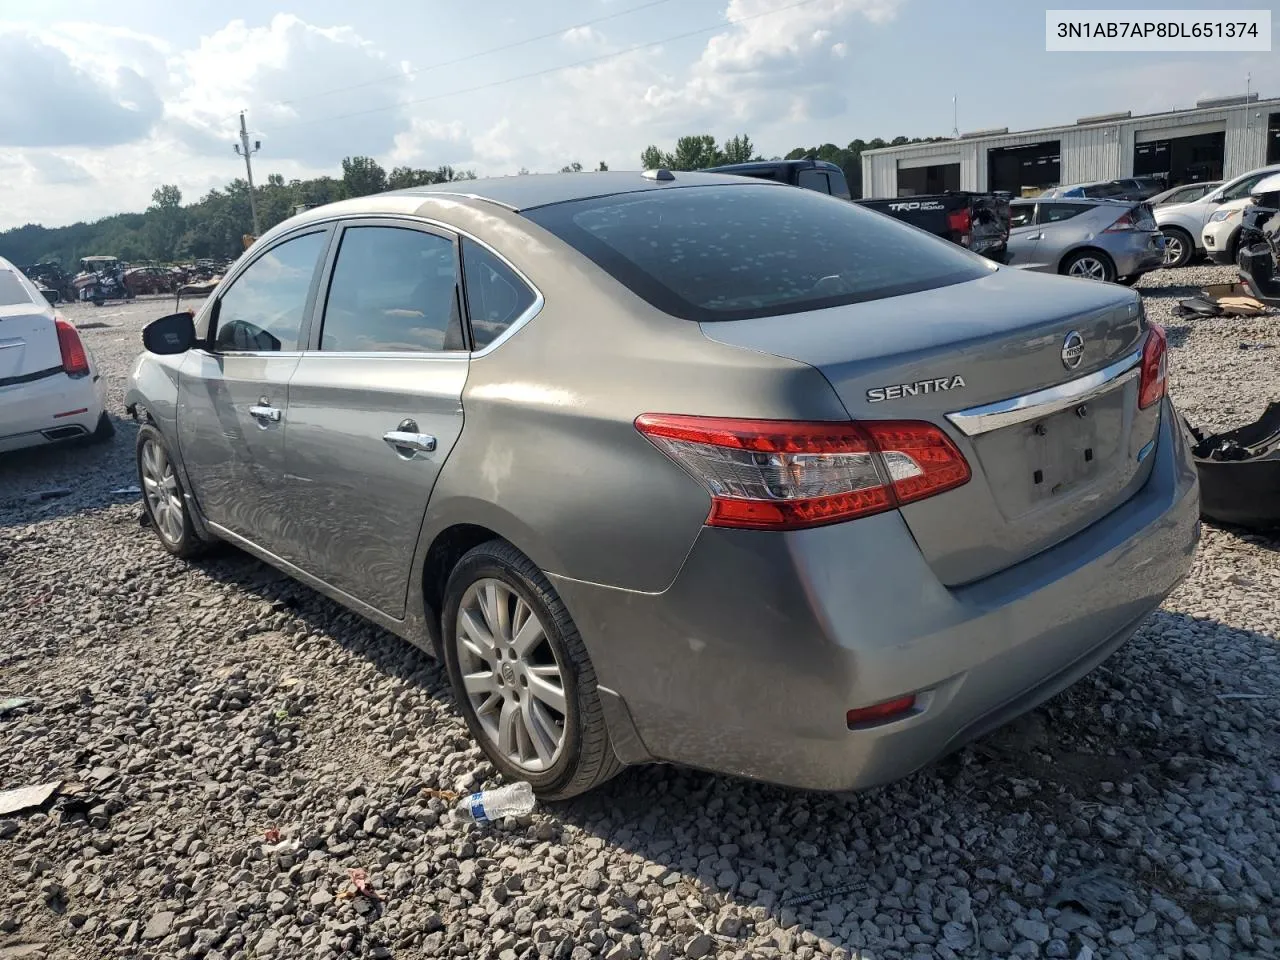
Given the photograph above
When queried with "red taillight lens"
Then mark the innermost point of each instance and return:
(1127, 221)
(959, 221)
(74, 360)
(880, 712)
(1155, 366)
(787, 475)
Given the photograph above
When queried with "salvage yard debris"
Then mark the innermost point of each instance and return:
(1240, 472)
(1219, 299)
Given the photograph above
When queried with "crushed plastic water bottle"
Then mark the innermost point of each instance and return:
(513, 800)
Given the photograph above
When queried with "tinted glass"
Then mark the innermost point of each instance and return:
(839, 185)
(496, 296)
(813, 180)
(733, 252)
(1242, 188)
(1057, 212)
(262, 310)
(12, 292)
(1021, 214)
(393, 290)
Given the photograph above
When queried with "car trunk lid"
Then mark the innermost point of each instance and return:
(1035, 379)
(28, 343)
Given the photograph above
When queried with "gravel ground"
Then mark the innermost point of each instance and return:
(193, 708)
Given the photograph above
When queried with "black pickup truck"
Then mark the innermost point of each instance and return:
(979, 221)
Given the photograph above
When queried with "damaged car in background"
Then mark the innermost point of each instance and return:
(1240, 468)
(1111, 240)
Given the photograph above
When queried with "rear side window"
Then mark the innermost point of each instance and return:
(839, 185)
(813, 180)
(394, 290)
(1057, 212)
(12, 292)
(262, 310)
(735, 252)
(496, 296)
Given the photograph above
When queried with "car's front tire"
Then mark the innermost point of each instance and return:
(162, 496)
(521, 674)
(1179, 247)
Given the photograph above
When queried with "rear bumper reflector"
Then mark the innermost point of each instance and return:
(70, 413)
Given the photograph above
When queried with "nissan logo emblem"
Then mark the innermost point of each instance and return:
(1072, 350)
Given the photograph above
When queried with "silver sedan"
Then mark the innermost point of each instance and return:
(1110, 240)
(681, 467)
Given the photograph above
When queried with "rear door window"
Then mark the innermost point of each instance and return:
(394, 290)
(737, 251)
(496, 296)
(814, 180)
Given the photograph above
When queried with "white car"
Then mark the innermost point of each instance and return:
(1221, 235)
(50, 387)
(1183, 223)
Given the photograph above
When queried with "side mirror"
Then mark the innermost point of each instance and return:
(175, 333)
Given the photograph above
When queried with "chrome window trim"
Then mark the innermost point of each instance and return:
(976, 421)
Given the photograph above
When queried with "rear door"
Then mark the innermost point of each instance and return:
(233, 401)
(375, 406)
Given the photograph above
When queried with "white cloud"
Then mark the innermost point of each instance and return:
(840, 50)
(582, 37)
(57, 170)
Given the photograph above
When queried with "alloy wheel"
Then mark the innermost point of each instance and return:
(1172, 249)
(1090, 267)
(511, 676)
(160, 487)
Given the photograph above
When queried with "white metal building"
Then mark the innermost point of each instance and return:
(1214, 140)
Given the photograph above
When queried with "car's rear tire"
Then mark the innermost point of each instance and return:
(1179, 248)
(1090, 264)
(521, 674)
(163, 498)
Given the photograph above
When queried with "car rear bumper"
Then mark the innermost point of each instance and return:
(1137, 253)
(55, 408)
(749, 661)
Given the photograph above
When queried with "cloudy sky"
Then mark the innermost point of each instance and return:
(104, 101)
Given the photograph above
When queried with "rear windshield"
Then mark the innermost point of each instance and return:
(753, 250)
(12, 292)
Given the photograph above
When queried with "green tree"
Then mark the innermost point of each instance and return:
(737, 150)
(653, 158)
(165, 225)
(695, 152)
(574, 167)
(363, 176)
(603, 168)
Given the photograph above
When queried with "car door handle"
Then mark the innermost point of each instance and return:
(265, 414)
(402, 441)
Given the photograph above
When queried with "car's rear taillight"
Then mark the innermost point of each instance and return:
(1155, 367)
(787, 475)
(960, 221)
(75, 361)
(1127, 221)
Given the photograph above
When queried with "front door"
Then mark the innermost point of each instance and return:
(233, 399)
(375, 406)
(1024, 235)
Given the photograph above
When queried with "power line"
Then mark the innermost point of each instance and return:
(471, 56)
(548, 70)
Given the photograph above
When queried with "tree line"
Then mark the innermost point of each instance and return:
(214, 225)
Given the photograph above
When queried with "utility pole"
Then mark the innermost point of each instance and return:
(248, 169)
(955, 120)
